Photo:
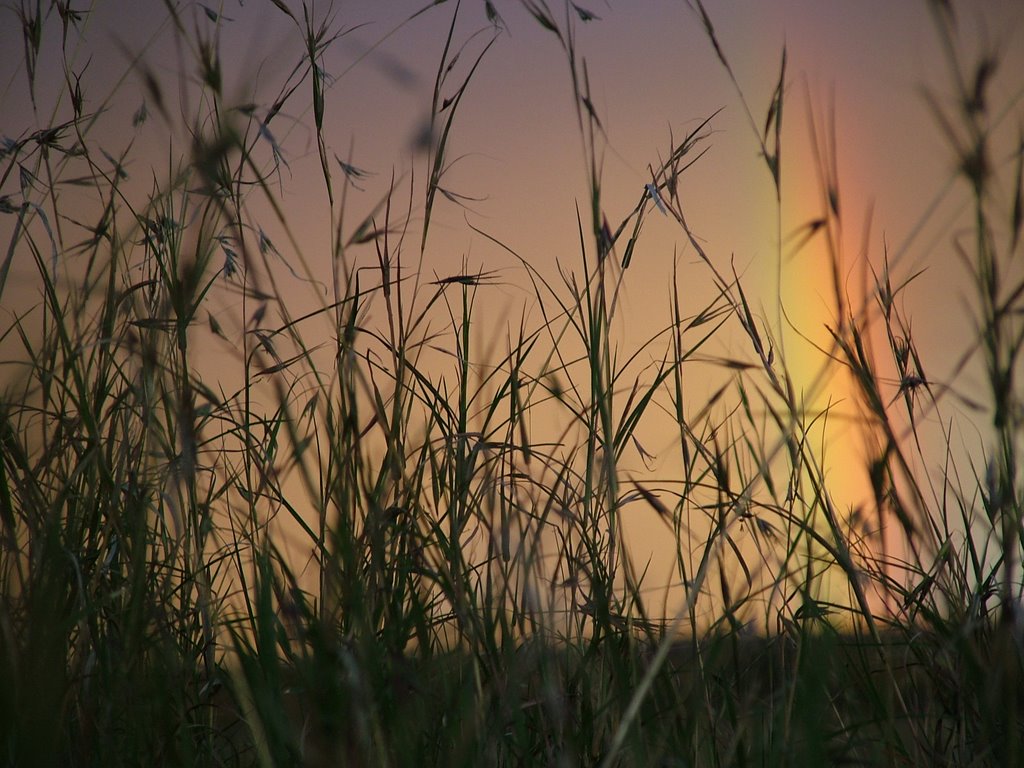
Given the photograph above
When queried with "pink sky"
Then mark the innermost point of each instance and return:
(652, 71)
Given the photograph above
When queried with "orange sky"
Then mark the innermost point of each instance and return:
(652, 71)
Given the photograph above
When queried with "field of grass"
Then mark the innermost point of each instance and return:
(236, 529)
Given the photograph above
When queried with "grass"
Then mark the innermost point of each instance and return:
(400, 541)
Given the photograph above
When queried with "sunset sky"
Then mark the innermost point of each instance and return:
(519, 161)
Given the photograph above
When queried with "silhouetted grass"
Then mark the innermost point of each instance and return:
(230, 537)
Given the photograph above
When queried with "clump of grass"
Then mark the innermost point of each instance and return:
(367, 535)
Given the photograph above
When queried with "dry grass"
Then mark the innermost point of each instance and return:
(453, 587)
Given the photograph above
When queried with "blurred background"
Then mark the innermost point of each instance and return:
(862, 85)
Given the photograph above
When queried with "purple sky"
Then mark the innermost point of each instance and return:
(520, 162)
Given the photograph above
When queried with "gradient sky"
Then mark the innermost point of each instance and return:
(652, 73)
